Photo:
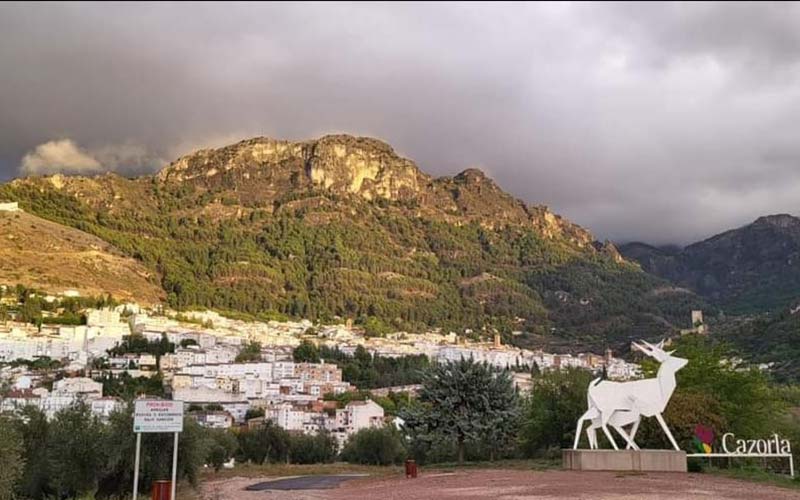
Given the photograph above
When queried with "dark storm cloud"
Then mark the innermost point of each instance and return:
(662, 122)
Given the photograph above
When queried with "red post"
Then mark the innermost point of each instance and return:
(161, 490)
(411, 468)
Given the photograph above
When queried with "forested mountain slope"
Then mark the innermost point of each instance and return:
(343, 226)
(751, 269)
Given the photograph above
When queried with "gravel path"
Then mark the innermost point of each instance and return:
(518, 485)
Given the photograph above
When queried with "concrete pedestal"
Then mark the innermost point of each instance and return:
(625, 460)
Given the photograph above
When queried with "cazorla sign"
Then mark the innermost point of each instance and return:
(772, 446)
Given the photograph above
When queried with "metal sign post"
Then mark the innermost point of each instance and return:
(157, 415)
(174, 467)
(136, 465)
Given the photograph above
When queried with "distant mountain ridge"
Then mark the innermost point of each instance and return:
(343, 226)
(749, 269)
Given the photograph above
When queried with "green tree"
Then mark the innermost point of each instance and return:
(312, 449)
(306, 352)
(76, 452)
(11, 458)
(254, 413)
(222, 445)
(375, 327)
(558, 399)
(217, 456)
(375, 446)
(138, 344)
(503, 421)
(264, 443)
(461, 401)
(32, 426)
(249, 353)
(126, 387)
(748, 404)
(156, 454)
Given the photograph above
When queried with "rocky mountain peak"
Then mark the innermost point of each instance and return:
(473, 175)
(363, 166)
(608, 248)
(778, 220)
(339, 163)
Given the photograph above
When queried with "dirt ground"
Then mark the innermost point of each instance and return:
(516, 485)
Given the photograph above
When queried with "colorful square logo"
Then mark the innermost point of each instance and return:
(703, 438)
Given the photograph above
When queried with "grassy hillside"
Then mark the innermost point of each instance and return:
(47, 256)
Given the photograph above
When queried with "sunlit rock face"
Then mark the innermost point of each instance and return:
(267, 172)
(340, 164)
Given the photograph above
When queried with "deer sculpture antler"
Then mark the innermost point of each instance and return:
(654, 351)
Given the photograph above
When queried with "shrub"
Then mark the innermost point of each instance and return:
(220, 447)
(217, 456)
(379, 446)
(265, 443)
(306, 449)
(558, 400)
(11, 461)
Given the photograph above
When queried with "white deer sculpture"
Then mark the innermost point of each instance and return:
(625, 403)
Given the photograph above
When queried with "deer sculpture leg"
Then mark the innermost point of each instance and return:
(590, 414)
(635, 428)
(667, 431)
(610, 437)
(578, 434)
(618, 420)
(592, 433)
(628, 439)
(605, 418)
(630, 417)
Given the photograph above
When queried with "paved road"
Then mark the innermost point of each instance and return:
(303, 483)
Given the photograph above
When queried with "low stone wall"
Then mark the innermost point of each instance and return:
(625, 460)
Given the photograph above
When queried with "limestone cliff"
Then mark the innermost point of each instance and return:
(338, 163)
(263, 171)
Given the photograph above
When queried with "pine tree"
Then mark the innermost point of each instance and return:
(464, 401)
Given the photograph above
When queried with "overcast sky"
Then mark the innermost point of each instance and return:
(658, 122)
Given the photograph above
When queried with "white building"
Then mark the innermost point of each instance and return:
(102, 317)
(287, 417)
(78, 386)
(104, 407)
(66, 392)
(213, 419)
(359, 415)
